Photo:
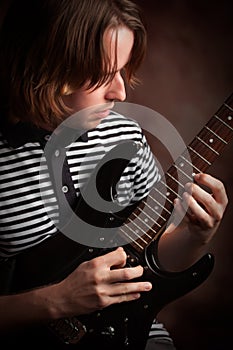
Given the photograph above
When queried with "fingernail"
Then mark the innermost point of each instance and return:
(197, 176)
(148, 286)
(137, 295)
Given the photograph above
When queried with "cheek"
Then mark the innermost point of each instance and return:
(83, 99)
(74, 101)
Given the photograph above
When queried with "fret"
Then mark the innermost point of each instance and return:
(145, 220)
(222, 121)
(142, 234)
(154, 211)
(163, 195)
(199, 155)
(166, 209)
(189, 163)
(160, 194)
(148, 208)
(231, 109)
(183, 172)
(153, 205)
(214, 133)
(205, 151)
(144, 217)
(175, 180)
(133, 230)
(206, 144)
(134, 243)
(139, 232)
(170, 189)
(130, 238)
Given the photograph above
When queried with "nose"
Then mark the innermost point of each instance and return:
(116, 88)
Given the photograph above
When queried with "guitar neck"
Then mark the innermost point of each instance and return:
(152, 215)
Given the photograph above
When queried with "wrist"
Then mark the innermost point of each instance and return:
(51, 301)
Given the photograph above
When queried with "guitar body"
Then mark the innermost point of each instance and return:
(121, 326)
(117, 327)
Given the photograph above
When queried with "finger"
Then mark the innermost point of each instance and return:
(125, 274)
(197, 213)
(130, 288)
(179, 212)
(124, 297)
(116, 258)
(127, 297)
(205, 200)
(216, 186)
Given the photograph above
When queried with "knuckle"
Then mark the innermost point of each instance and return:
(209, 201)
(126, 274)
(219, 216)
(97, 277)
(94, 263)
(101, 303)
(211, 224)
(219, 186)
(100, 297)
(122, 255)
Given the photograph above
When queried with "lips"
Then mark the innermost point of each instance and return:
(104, 112)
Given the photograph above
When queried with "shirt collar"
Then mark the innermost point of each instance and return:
(21, 133)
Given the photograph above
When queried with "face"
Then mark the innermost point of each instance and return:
(95, 105)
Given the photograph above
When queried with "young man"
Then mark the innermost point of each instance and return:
(57, 59)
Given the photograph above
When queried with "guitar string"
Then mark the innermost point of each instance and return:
(162, 195)
(190, 164)
(158, 203)
(139, 237)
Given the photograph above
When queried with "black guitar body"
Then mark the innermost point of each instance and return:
(118, 327)
(126, 325)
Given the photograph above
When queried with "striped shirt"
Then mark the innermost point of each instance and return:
(29, 204)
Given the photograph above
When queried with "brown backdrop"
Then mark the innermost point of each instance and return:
(187, 75)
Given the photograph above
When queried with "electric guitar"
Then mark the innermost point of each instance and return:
(125, 325)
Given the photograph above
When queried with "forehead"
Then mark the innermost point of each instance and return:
(118, 44)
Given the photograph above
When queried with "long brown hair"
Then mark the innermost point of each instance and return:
(46, 45)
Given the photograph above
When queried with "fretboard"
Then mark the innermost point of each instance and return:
(152, 215)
